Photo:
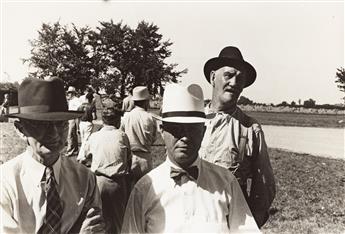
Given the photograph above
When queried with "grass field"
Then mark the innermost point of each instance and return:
(310, 190)
(298, 119)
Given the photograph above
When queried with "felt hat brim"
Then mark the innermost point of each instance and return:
(48, 116)
(218, 62)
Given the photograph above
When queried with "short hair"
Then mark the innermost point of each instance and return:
(111, 114)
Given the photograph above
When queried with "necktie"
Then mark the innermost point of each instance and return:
(52, 220)
(181, 176)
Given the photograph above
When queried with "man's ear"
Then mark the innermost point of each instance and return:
(212, 77)
(20, 129)
(161, 130)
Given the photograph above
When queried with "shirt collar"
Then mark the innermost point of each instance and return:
(36, 169)
(108, 127)
(171, 164)
(139, 108)
(210, 113)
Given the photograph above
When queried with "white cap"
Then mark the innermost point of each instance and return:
(140, 93)
(183, 104)
(71, 89)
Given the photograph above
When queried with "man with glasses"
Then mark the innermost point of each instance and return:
(42, 192)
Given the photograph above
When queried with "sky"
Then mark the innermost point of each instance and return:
(295, 46)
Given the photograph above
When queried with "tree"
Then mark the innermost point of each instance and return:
(293, 104)
(62, 52)
(309, 103)
(244, 101)
(340, 79)
(113, 56)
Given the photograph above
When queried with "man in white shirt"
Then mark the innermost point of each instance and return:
(141, 129)
(111, 162)
(42, 192)
(186, 193)
(72, 137)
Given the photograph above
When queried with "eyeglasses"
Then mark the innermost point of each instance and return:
(44, 124)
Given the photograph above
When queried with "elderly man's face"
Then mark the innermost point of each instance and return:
(228, 83)
(183, 141)
(46, 138)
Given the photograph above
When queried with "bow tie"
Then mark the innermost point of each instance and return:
(181, 176)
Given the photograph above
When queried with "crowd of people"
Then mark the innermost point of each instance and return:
(216, 178)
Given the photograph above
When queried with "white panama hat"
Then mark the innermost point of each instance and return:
(140, 93)
(71, 89)
(183, 104)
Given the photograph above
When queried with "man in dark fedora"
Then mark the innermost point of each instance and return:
(233, 139)
(186, 194)
(42, 192)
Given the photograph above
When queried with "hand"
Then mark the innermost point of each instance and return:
(93, 222)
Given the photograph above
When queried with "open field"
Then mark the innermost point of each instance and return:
(310, 190)
(298, 119)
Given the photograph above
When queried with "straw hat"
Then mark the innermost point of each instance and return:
(183, 104)
(71, 89)
(140, 93)
(43, 100)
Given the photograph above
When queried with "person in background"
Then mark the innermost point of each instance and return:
(141, 129)
(186, 194)
(85, 124)
(97, 102)
(73, 124)
(111, 157)
(5, 105)
(233, 139)
(41, 191)
(127, 103)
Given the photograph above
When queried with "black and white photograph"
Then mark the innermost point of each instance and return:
(172, 116)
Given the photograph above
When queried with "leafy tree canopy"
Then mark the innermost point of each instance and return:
(340, 79)
(113, 56)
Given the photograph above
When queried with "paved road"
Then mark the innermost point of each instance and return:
(326, 142)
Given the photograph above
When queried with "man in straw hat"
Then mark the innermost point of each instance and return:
(233, 139)
(72, 136)
(141, 128)
(42, 192)
(186, 193)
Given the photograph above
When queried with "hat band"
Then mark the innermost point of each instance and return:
(32, 109)
(184, 114)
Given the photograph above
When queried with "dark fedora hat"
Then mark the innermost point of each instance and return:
(43, 100)
(230, 56)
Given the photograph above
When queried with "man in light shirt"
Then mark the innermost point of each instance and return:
(72, 137)
(111, 162)
(141, 129)
(186, 193)
(42, 192)
(233, 139)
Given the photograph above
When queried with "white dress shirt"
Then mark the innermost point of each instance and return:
(214, 203)
(22, 197)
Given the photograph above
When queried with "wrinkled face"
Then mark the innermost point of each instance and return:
(228, 83)
(44, 137)
(182, 141)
